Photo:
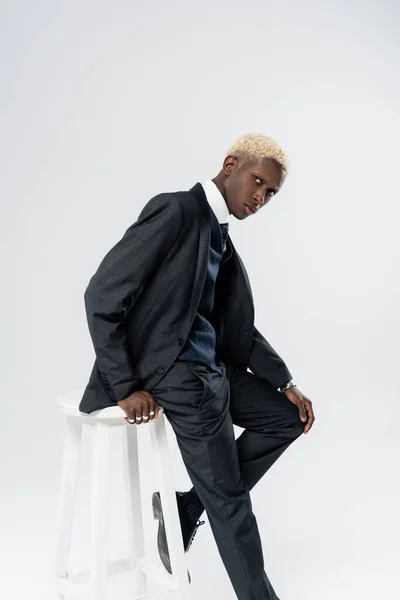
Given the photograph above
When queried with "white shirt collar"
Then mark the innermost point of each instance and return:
(216, 201)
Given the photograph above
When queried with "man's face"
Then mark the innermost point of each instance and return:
(250, 186)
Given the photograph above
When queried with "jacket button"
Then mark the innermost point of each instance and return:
(160, 371)
(181, 341)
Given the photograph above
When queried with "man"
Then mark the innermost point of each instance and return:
(171, 315)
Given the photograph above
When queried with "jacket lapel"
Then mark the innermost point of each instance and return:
(204, 245)
(240, 269)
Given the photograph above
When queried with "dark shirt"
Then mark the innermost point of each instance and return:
(200, 346)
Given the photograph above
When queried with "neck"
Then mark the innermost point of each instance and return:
(219, 182)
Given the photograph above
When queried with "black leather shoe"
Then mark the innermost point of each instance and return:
(188, 528)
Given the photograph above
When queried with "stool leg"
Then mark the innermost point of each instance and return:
(100, 496)
(132, 487)
(170, 508)
(70, 463)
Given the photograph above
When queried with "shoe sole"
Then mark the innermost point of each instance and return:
(158, 516)
(157, 510)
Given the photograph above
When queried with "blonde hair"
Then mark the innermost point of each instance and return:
(257, 146)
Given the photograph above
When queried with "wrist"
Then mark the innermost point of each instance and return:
(286, 386)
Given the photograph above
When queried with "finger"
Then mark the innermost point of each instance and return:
(152, 410)
(311, 418)
(155, 407)
(145, 412)
(308, 426)
(139, 417)
(302, 410)
(130, 416)
(130, 420)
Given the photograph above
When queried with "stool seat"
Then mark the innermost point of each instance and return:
(100, 422)
(113, 415)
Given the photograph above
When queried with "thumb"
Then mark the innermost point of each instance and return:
(302, 411)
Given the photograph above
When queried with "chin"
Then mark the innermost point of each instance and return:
(238, 214)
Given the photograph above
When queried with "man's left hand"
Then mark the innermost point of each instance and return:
(304, 405)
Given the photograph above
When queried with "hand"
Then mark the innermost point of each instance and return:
(140, 407)
(303, 404)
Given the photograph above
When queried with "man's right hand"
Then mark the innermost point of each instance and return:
(139, 407)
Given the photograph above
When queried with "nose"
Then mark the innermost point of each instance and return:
(259, 198)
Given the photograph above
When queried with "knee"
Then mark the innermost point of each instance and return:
(297, 429)
(286, 429)
(293, 426)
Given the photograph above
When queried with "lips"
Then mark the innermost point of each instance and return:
(252, 208)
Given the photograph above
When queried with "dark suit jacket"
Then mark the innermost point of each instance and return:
(141, 301)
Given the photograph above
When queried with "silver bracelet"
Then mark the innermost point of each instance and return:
(287, 385)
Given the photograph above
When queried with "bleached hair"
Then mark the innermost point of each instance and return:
(257, 146)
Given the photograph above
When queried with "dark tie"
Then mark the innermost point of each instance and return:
(224, 231)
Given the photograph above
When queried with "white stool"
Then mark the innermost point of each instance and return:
(101, 421)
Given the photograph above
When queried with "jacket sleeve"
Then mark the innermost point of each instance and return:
(116, 285)
(266, 363)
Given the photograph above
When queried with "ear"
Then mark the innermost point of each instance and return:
(283, 177)
(230, 165)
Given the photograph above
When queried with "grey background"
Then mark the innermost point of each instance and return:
(104, 105)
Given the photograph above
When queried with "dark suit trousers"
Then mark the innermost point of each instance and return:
(201, 406)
